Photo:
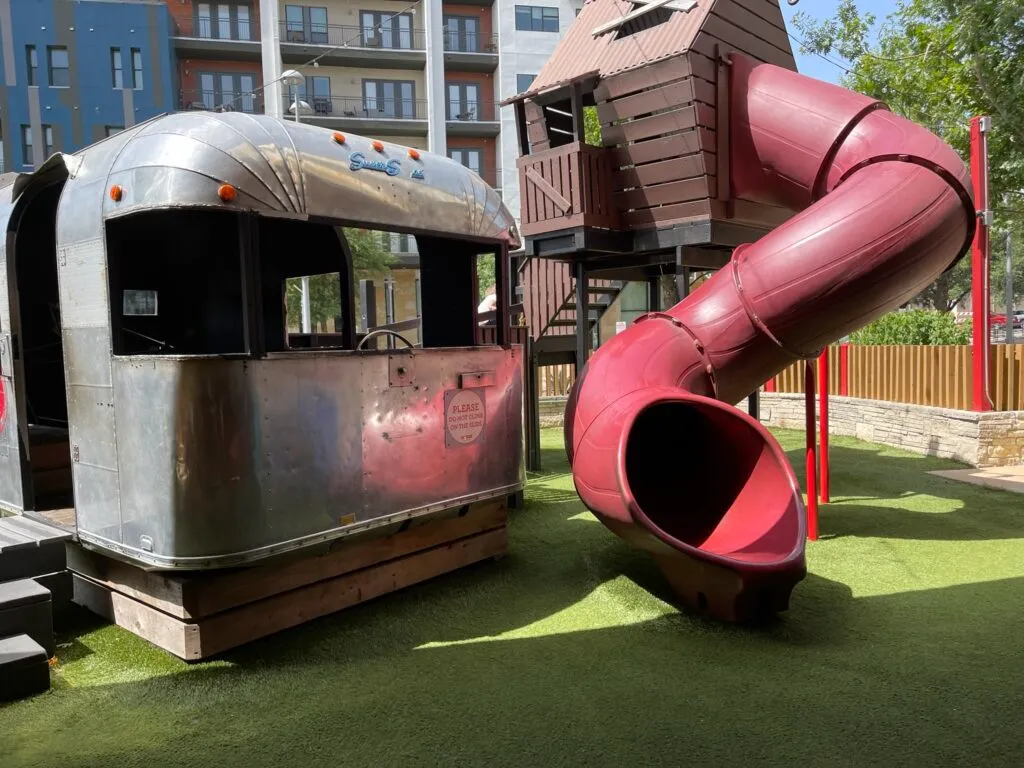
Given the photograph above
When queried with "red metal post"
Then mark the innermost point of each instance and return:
(844, 370)
(812, 464)
(979, 264)
(823, 388)
(769, 386)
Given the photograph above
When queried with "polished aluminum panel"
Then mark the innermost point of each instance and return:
(12, 495)
(83, 284)
(222, 462)
(294, 168)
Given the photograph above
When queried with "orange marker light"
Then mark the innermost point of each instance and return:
(226, 193)
(339, 138)
(378, 146)
(414, 154)
(116, 192)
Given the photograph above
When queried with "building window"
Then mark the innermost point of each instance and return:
(317, 93)
(111, 130)
(464, 102)
(230, 91)
(462, 33)
(384, 30)
(470, 158)
(137, 69)
(224, 21)
(536, 18)
(28, 151)
(398, 242)
(390, 99)
(523, 82)
(32, 62)
(60, 67)
(304, 24)
(116, 69)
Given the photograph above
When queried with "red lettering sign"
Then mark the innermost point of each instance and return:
(464, 416)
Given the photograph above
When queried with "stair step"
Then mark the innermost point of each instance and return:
(24, 668)
(26, 608)
(603, 289)
(564, 323)
(595, 306)
(30, 548)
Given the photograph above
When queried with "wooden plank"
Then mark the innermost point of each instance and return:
(649, 76)
(671, 96)
(194, 640)
(768, 11)
(669, 213)
(667, 147)
(549, 191)
(656, 125)
(193, 597)
(760, 214)
(250, 622)
(676, 169)
(161, 629)
(723, 31)
(664, 194)
(734, 13)
(722, 129)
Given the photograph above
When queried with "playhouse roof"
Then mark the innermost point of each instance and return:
(581, 52)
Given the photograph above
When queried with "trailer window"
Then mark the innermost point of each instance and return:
(294, 255)
(176, 283)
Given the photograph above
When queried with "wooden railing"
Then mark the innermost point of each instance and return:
(566, 187)
(917, 374)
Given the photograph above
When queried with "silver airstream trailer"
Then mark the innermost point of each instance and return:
(153, 398)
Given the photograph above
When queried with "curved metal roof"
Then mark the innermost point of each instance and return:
(291, 169)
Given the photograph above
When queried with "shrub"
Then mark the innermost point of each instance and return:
(914, 326)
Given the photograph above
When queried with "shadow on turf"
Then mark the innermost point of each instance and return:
(930, 677)
(982, 514)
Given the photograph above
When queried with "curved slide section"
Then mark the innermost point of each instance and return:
(658, 452)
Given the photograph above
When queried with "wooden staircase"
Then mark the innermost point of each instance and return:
(548, 295)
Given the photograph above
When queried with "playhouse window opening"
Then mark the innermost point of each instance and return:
(176, 283)
(652, 18)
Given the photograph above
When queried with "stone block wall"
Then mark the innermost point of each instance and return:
(979, 439)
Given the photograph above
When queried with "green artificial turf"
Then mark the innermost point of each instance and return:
(904, 646)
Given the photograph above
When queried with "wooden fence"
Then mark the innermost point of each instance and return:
(917, 374)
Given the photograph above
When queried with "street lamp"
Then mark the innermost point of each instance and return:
(294, 79)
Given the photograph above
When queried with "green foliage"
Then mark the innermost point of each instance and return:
(592, 126)
(914, 326)
(485, 275)
(370, 259)
(938, 63)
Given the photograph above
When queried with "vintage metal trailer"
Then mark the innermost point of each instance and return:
(153, 398)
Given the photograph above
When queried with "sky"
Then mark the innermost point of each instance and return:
(815, 66)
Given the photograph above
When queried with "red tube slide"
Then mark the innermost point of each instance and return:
(658, 451)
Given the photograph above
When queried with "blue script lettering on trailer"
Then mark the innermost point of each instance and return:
(358, 161)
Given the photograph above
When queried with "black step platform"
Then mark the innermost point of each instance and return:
(26, 608)
(24, 668)
(30, 548)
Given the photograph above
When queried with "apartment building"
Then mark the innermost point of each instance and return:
(75, 71)
(370, 78)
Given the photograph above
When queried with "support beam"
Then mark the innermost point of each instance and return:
(531, 397)
(270, 35)
(582, 316)
(433, 24)
(754, 404)
(980, 264)
(653, 294)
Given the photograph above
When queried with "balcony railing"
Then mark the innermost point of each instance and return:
(221, 101)
(342, 36)
(471, 111)
(344, 107)
(470, 42)
(218, 29)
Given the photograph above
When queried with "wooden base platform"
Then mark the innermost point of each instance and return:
(196, 616)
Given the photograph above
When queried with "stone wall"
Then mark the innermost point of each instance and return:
(979, 439)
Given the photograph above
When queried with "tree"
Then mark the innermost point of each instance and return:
(938, 63)
(370, 259)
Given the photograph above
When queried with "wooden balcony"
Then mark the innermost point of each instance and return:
(566, 187)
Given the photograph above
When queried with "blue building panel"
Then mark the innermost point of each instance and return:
(76, 70)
